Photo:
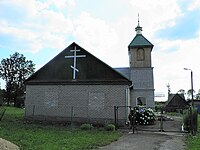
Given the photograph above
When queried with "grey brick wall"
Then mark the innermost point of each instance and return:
(143, 85)
(62, 102)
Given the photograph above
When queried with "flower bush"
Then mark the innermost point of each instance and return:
(143, 116)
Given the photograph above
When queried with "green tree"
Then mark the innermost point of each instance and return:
(189, 93)
(1, 97)
(198, 95)
(14, 71)
(181, 91)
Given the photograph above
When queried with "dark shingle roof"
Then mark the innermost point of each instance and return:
(125, 71)
(140, 41)
(91, 70)
(176, 101)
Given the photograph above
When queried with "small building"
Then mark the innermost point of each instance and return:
(175, 103)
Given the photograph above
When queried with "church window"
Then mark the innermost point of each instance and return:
(96, 101)
(51, 98)
(141, 101)
(140, 54)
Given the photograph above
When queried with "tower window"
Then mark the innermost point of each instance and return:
(141, 101)
(140, 54)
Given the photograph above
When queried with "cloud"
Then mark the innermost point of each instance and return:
(63, 4)
(35, 26)
(169, 65)
(195, 4)
(99, 37)
(156, 15)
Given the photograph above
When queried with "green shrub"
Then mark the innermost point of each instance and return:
(186, 121)
(109, 127)
(191, 118)
(86, 126)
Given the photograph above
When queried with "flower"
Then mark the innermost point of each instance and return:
(144, 116)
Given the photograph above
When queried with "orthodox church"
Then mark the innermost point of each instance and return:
(76, 85)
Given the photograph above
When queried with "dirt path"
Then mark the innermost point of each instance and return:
(6, 145)
(171, 139)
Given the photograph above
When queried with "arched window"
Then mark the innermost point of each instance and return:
(141, 101)
(140, 54)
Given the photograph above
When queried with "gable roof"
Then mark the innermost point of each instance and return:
(140, 41)
(91, 70)
(176, 101)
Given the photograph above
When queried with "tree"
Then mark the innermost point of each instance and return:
(198, 95)
(1, 97)
(15, 70)
(181, 91)
(189, 93)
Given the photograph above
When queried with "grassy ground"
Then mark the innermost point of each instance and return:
(46, 137)
(193, 142)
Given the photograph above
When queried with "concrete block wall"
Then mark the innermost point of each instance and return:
(77, 101)
(148, 94)
(143, 85)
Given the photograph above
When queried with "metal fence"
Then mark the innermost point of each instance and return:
(71, 114)
(177, 120)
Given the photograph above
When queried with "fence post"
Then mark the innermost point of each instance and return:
(72, 114)
(191, 121)
(161, 121)
(115, 115)
(133, 120)
(33, 112)
(195, 121)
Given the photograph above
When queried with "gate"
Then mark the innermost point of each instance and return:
(175, 119)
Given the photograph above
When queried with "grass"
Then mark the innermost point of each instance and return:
(193, 142)
(54, 137)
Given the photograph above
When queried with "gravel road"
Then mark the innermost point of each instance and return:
(171, 139)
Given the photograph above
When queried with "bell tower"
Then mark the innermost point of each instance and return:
(141, 70)
(140, 50)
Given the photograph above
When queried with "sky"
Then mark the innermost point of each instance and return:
(40, 29)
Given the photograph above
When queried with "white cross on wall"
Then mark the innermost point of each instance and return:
(75, 56)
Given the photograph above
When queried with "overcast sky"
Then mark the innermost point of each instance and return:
(40, 29)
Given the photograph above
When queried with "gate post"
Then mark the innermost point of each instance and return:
(191, 121)
(133, 121)
(115, 115)
(161, 121)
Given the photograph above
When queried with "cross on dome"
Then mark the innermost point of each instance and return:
(138, 29)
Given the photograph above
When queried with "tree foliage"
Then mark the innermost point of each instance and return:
(198, 95)
(14, 71)
(190, 92)
(181, 91)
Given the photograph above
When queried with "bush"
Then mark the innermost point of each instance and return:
(143, 116)
(86, 126)
(109, 127)
(186, 121)
(189, 118)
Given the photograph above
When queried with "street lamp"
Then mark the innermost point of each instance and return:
(191, 85)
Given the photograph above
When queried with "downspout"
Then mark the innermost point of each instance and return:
(128, 102)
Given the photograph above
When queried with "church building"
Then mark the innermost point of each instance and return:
(77, 86)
